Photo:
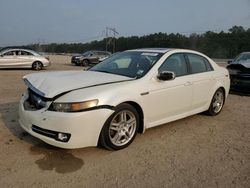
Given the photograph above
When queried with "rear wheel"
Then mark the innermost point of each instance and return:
(217, 103)
(37, 65)
(120, 129)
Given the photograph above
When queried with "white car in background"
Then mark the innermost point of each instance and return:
(22, 58)
(123, 95)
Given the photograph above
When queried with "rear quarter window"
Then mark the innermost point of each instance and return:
(198, 64)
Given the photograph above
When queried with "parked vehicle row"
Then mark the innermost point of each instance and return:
(22, 58)
(121, 96)
(239, 68)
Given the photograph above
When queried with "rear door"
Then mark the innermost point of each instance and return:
(202, 79)
(25, 58)
(94, 58)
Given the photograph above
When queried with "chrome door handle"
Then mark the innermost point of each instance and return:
(212, 79)
(188, 84)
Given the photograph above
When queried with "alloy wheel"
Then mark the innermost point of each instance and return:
(122, 128)
(218, 101)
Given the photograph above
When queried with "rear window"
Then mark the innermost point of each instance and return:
(198, 64)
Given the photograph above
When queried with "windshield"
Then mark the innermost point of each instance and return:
(133, 64)
(242, 58)
(88, 53)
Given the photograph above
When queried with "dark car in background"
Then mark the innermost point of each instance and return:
(90, 57)
(239, 70)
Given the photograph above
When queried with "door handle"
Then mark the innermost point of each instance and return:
(212, 79)
(188, 84)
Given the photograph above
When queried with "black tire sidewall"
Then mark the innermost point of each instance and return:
(85, 63)
(210, 110)
(104, 137)
(39, 63)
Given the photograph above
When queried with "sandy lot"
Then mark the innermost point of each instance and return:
(199, 151)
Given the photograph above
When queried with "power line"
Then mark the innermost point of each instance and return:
(110, 40)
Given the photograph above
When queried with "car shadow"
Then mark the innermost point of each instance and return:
(24, 69)
(51, 158)
(9, 114)
(11, 69)
(240, 93)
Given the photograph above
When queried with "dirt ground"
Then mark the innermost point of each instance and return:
(198, 151)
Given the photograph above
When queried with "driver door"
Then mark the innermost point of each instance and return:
(171, 99)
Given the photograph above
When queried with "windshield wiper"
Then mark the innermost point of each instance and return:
(102, 71)
(113, 73)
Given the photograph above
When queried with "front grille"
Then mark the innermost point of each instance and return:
(49, 133)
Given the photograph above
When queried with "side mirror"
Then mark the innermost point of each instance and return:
(166, 75)
(229, 61)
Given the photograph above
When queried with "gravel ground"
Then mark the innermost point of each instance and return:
(198, 151)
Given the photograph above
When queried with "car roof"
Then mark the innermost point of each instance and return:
(245, 53)
(164, 50)
(156, 50)
(16, 49)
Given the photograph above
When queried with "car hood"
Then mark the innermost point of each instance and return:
(246, 64)
(78, 55)
(51, 84)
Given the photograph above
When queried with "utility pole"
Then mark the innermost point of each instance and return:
(110, 39)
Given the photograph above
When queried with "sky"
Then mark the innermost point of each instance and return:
(45, 21)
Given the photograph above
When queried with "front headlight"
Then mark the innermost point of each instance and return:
(73, 107)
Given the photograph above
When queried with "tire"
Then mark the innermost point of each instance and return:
(37, 65)
(217, 103)
(120, 129)
(85, 63)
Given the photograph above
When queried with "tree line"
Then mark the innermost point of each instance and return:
(216, 45)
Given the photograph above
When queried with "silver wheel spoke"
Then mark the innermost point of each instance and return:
(123, 116)
(127, 136)
(218, 102)
(131, 122)
(114, 126)
(117, 137)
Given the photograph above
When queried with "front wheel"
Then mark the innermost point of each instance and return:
(120, 129)
(85, 63)
(37, 66)
(217, 103)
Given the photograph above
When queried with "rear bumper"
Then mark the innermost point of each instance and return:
(47, 64)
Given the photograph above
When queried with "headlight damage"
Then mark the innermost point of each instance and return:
(73, 107)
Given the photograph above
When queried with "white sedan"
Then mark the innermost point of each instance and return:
(22, 58)
(123, 95)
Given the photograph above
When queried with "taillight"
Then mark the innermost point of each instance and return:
(47, 58)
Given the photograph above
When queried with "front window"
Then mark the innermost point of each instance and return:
(87, 54)
(175, 63)
(25, 53)
(132, 64)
